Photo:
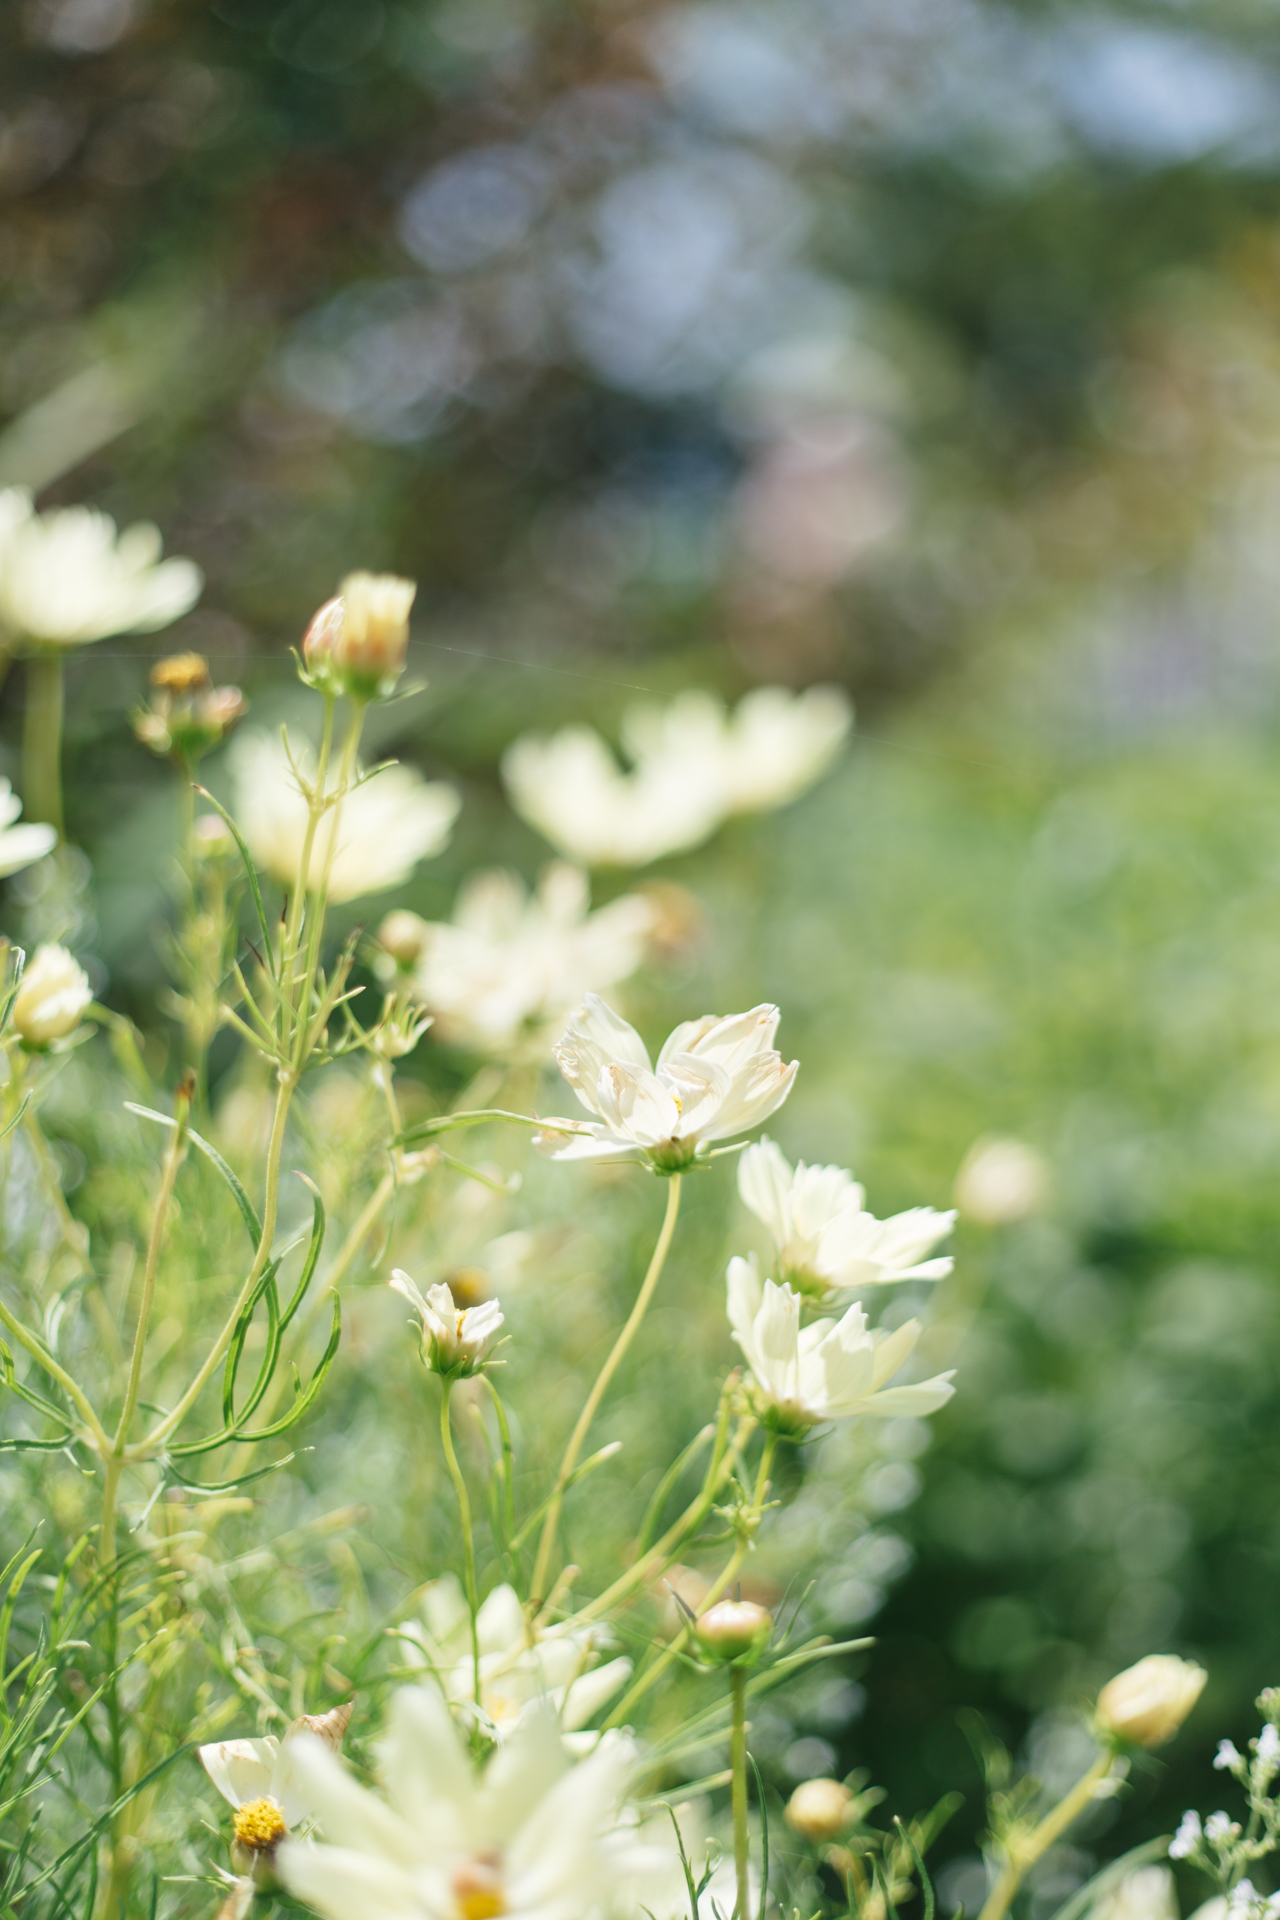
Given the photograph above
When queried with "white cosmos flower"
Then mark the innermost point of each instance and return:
(509, 966)
(19, 846)
(831, 1370)
(715, 1078)
(530, 1835)
(257, 1778)
(67, 577)
(52, 998)
(694, 764)
(456, 1340)
(826, 1240)
(571, 788)
(519, 1665)
(388, 823)
(769, 751)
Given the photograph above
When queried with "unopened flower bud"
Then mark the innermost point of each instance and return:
(404, 936)
(188, 714)
(356, 642)
(820, 1809)
(455, 1341)
(735, 1630)
(51, 1001)
(1147, 1703)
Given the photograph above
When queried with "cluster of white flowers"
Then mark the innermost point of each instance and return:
(388, 822)
(694, 764)
(68, 578)
(824, 1238)
(500, 977)
(521, 1665)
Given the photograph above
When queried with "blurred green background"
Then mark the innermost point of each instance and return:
(926, 346)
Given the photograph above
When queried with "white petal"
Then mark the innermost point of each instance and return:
(501, 1621)
(521, 1774)
(349, 1814)
(346, 1885)
(776, 1342)
(241, 1770)
(764, 1183)
(636, 1105)
(745, 1297)
(758, 1090)
(587, 1695)
(423, 1766)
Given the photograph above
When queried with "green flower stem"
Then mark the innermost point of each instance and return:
(738, 1768)
(546, 1546)
(1022, 1855)
(42, 740)
(468, 1537)
(642, 1683)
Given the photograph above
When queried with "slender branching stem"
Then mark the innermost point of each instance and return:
(42, 740)
(546, 1545)
(468, 1536)
(168, 1176)
(78, 1399)
(738, 1769)
(1022, 1855)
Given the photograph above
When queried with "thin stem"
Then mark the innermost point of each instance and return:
(305, 1038)
(468, 1538)
(1023, 1855)
(163, 1428)
(546, 1546)
(169, 1174)
(97, 1431)
(738, 1767)
(297, 905)
(42, 740)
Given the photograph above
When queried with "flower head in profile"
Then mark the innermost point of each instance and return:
(520, 1665)
(715, 1079)
(188, 715)
(388, 822)
(456, 1341)
(257, 1778)
(826, 1241)
(67, 577)
(1147, 1703)
(830, 1370)
(52, 998)
(500, 977)
(532, 1833)
(356, 643)
(20, 845)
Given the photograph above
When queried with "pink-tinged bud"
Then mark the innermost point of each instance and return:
(735, 1630)
(321, 639)
(820, 1810)
(356, 643)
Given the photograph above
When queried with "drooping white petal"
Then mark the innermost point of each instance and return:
(241, 1770)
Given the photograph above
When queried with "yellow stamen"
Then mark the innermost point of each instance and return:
(259, 1824)
(181, 673)
(477, 1889)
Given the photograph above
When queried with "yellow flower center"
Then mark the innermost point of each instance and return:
(477, 1889)
(259, 1824)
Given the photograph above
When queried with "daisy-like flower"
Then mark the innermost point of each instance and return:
(826, 1241)
(52, 998)
(714, 1079)
(531, 1834)
(501, 977)
(257, 1778)
(519, 1665)
(68, 577)
(388, 823)
(455, 1340)
(570, 787)
(830, 1370)
(694, 764)
(769, 751)
(20, 846)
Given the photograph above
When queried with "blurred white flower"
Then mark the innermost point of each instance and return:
(532, 1833)
(67, 577)
(455, 1340)
(257, 1778)
(694, 765)
(715, 1078)
(571, 788)
(510, 966)
(519, 1665)
(769, 751)
(831, 1370)
(19, 846)
(1148, 1702)
(52, 998)
(825, 1239)
(389, 822)
(1145, 1894)
(1001, 1180)
(1188, 1837)
(1228, 1757)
